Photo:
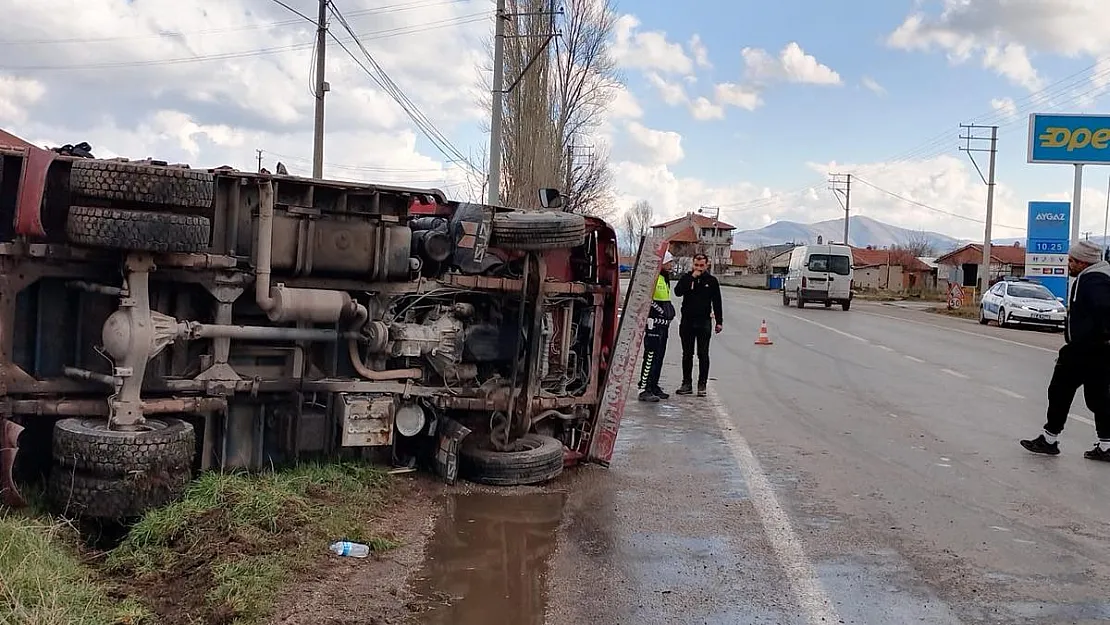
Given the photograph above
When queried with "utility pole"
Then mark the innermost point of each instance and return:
(322, 87)
(259, 160)
(569, 188)
(714, 249)
(1106, 222)
(493, 193)
(984, 277)
(841, 185)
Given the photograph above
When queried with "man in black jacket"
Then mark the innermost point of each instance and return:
(660, 316)
(701, 297)
(1084, 360)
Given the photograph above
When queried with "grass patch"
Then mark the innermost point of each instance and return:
(961, 313)
(44, 582)
(223, 552)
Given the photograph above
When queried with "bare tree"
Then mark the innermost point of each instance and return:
(759, 260)
(557, 91)
(918, 244)
(635, 224)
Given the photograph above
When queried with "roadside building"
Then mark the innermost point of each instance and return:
(692, 234)
(962, 265)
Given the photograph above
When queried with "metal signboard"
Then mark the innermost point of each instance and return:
(1046, 254)
(1069, 139)
(625, 358)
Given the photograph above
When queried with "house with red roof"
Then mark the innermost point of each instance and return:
(695, 233)
(962, 266)
(891, 269)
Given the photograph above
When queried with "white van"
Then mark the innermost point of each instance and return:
(819, 274)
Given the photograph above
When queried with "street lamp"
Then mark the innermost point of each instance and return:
(714, 257)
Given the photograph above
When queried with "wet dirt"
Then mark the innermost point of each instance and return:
(371, 591)
(488, 561)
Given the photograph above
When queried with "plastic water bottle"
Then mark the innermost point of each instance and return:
(351, 550)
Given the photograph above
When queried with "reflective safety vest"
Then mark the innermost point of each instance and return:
(662, 290)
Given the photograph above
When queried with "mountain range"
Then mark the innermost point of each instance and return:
(862, 232)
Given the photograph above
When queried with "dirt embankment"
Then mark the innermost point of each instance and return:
(236, 549)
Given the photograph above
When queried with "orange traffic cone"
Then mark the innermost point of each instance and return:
(763, 338)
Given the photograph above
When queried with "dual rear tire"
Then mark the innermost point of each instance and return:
(99, 473)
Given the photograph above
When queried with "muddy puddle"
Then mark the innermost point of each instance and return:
(487, 562)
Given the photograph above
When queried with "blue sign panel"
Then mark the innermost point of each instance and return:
(1069, 139)
(1046, 257)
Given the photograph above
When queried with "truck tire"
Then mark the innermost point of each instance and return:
(535, 231)
(147, 184)
(137, 231)
(88, 446)
(118, 499)
(540, 460)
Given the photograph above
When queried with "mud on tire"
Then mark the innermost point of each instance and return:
(538, 230)
(88, 446)
(540, 459)
(148, 184)
(139, 231)
(93, 497)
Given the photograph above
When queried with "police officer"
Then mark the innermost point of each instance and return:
(655, 338)
(1084, 360)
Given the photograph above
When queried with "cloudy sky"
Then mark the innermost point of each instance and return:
(742, 104)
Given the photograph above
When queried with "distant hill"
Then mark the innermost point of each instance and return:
(862, 231)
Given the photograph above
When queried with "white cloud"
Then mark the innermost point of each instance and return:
(17, 95)
(663, 147)
(212, 80)
(648, 50)
(791, 65)
(946, 183)
(1013, 62)
(700, 52)
(738, 96)
(624, 105)
(704, 110)
(673, 93)
(872, 85)
(701, 108)
(1003, 32)
(1006, 106)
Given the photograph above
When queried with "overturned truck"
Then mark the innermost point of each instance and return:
(159, 320)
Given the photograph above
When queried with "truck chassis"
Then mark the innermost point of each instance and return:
(159, 320)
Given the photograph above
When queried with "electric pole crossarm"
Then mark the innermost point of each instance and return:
(984, 274)
(841, 184)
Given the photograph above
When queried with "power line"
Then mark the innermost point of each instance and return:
(374, 35)
(927, 206)
(365, 168)
(382, 79)
(376, 11)
(933, 147)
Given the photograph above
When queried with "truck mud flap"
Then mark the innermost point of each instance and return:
(449, 439)
(625, 357)
(9, 447)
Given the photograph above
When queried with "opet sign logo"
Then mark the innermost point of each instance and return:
(1074, 138)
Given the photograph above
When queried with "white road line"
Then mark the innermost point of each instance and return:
(806, 586)
(885, 348)
(914, 358)
(819, 325)
(1005, 391)
(1081, 419)
(956, 374)
(949, 329)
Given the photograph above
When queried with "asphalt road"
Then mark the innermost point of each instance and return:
(863, 469)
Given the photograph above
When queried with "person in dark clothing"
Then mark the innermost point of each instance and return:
(1084, 360)
(658, 331)
(701, 317)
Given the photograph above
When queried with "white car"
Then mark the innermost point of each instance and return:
(1022, 302)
